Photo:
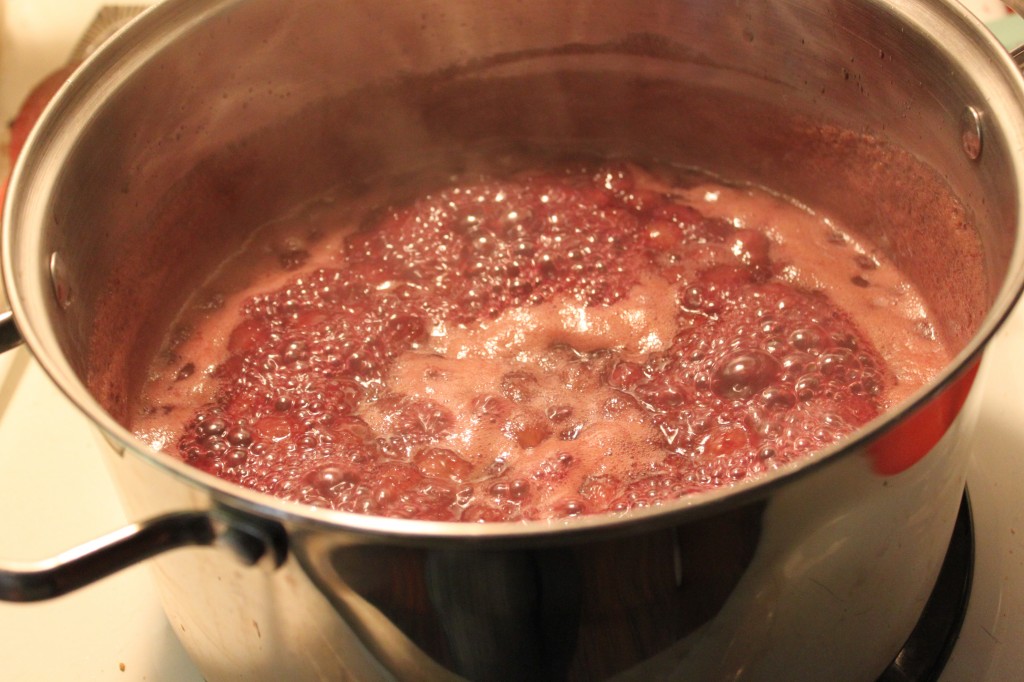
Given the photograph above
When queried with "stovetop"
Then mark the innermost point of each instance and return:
(55, 491)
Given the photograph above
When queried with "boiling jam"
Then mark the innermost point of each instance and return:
(536, 345)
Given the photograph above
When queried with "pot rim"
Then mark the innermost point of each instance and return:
(159, 24)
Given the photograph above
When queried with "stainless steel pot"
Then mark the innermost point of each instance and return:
(206, 117)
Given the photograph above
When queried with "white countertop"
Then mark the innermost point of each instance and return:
(55, 493)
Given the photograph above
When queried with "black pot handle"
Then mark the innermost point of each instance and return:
(10, 337)
(250, 540)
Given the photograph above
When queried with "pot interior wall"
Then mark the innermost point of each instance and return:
(264, 105)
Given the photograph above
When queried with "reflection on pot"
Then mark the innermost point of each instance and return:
(581, 612)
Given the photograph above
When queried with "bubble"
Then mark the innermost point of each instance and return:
(807, 386)
(443, 463)
(517, 490)
(778, 398)
(294, 351)
(693, 298)
(834, 364)
(659, 393)
(239, 436)
(568, 509)
(808, 339)
(212, 427)
(737, 473)
(625, 375)
(490, 408)
(762, 422)
(796, 362)
(744, 373)
(464, 495)
(701, 381)
(558, 413)
(235, 457)
(871, 383)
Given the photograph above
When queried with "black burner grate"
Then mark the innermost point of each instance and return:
(928, 648)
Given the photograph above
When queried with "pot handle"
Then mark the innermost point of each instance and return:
(10, 337)
(249, 539)
(1017, 54)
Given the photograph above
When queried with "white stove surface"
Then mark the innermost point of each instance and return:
(55, 492)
